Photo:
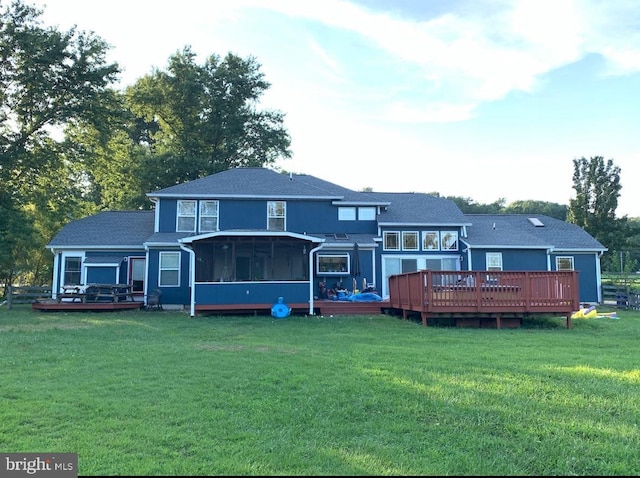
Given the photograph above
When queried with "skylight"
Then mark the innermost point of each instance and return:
(536, 222)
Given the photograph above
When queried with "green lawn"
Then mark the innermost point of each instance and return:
(160, 393)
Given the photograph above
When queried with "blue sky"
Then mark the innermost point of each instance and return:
(483, 99)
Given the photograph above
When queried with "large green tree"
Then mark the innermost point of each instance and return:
(198, 120)
(597, 186)
(48, 79)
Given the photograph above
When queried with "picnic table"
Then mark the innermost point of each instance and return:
(97, 293)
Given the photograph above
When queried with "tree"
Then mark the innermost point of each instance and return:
(597, 186)
(198, 120)
(48, 79)
(551, 209)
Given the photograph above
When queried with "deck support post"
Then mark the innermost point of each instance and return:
(423, 316)
(568, 321)
(498, 324)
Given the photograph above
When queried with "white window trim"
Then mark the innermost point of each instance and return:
(442, 236)
(160, 268)
(570, 258)
(346, 213)
(367, 213)
(347, 261)
(178, 215)
(437, 236)
(201, 215)
(384, 240)
(417, 240)
(63, 259)
(495, 255)
(284, 215)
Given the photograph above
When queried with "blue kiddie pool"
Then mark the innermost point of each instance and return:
(280, 310)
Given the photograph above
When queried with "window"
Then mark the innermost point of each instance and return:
(72, 270)
(366, 214)
(391, 241)
(449, 240)
(276, 215)
(333, 264)
(169, 269)
(494, 261)
(186, 216)
(208, 216)
(564, 263)
(430, 241)
(346, 214)
(410, 241)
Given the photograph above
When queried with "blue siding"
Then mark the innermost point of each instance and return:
(251, 292)
(302, 216)
(170, 295)
(585, 264)
(167, 219)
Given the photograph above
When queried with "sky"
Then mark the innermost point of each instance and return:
(480, 99)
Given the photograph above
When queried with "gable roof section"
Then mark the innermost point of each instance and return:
(419, 209)
(108, 230)
(517, 231)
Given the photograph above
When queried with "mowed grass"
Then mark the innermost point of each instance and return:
(161, 393)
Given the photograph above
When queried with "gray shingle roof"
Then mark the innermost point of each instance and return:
(404, 208)
(419, 208)
(110, 229)
(515, 230)
(255, 182)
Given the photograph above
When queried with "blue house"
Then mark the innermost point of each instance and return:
(245, 237)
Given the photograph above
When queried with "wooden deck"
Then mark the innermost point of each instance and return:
(320, 307)
(485, 298)
(54, 305)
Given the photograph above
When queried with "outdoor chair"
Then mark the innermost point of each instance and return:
(154, 300)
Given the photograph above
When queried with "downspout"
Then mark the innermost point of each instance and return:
(311, 276)
(549, 251)
(192, 277)
(599, 276)
(156, 228)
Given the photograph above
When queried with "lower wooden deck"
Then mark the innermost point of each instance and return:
(54, 305)
(320, 307)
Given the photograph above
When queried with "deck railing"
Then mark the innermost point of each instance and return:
(430, 291)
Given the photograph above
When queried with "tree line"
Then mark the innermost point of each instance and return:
(72, 144)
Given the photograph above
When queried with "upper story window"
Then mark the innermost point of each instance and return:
(276, 215)
(494, 261)
(366, 213)
(346, 214)
(564, 263)
(363, 213)
(410, 241)
(186, 216)
(430, 241)
(209, 216)
(449, 240)
(391, 240)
